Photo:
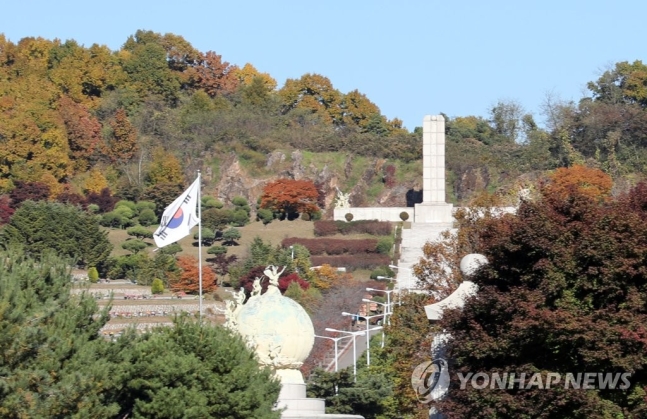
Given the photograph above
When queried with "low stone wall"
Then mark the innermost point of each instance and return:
(149, 310)
(393, 213)
(373, 213)
(139, 326)
(117, 292)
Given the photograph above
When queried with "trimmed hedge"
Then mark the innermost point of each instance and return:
(352, 262)
(374, 227)
(334, 246)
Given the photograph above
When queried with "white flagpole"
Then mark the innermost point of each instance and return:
(200, 242)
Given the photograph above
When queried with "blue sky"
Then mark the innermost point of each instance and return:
(410, 57)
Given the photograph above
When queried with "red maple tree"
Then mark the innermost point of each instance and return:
(188, 280)
(290, 197)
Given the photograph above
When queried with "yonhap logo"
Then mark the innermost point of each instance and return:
(430, 380)
(523, 381)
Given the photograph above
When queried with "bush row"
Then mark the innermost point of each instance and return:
(374, 227)
(352, 262)
(334, 246)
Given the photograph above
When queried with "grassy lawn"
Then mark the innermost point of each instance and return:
(274, 233)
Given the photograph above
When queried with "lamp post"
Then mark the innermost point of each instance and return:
(292, 249)
(368, 337)
(354, 334)
(385, 278)
(385, 313)
(335, 340)
(388, 296)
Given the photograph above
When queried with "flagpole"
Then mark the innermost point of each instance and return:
(200, 243)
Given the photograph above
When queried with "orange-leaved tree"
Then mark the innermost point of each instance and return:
(188, 281)
(290, 197)
(589, 182)
(123, 144)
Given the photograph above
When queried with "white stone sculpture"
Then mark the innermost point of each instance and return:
(343, 200)
(256, 290)
(272, 272)
(524, 194)
(233, 307)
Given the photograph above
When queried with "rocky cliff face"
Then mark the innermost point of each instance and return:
(234, 181)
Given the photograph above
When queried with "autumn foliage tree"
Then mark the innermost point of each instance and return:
(326, 277)
(290, 197)
(439, 269)
(593, 183)
(123, 144)
(188, 280)
(5, 209)
(83, 132)
(28, 191)
(565, 291)
(213, 75)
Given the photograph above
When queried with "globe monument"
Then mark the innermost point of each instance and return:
(282, 334)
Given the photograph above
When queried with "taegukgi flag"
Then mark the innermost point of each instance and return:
(179, 217)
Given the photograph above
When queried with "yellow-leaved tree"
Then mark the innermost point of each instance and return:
(326, 277)
(248, 73)
(95, 182)
(165, 168)
(315, 93)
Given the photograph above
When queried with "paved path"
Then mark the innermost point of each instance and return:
(413, 240)
(346, 350)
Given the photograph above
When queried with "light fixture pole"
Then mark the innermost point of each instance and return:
(354, 334)
(388, 296)
(368, 337)
(335, 340)
(385, 319)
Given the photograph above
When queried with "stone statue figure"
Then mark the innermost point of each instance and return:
(256, 290)
(233, 307)
(272, 272)
(230, 319)
(343, 199)
(239, 297)
(524, 194)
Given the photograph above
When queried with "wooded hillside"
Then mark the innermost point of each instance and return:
(78, 119)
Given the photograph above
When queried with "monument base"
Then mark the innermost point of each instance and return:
(428, 212)
(293, 399)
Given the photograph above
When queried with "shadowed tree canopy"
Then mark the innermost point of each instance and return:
(565, 291)
(56, 364)
(71, 232)
(193, 371)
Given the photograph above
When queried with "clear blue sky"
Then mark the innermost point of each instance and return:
(410, 57)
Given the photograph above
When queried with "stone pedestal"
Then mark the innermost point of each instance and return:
(434, 213)
(297, 405)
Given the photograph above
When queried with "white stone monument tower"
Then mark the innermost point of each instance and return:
(433, 209)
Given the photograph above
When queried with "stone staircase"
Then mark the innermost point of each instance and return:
(413, 240)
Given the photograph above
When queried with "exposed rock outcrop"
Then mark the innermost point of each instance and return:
(234, 180)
